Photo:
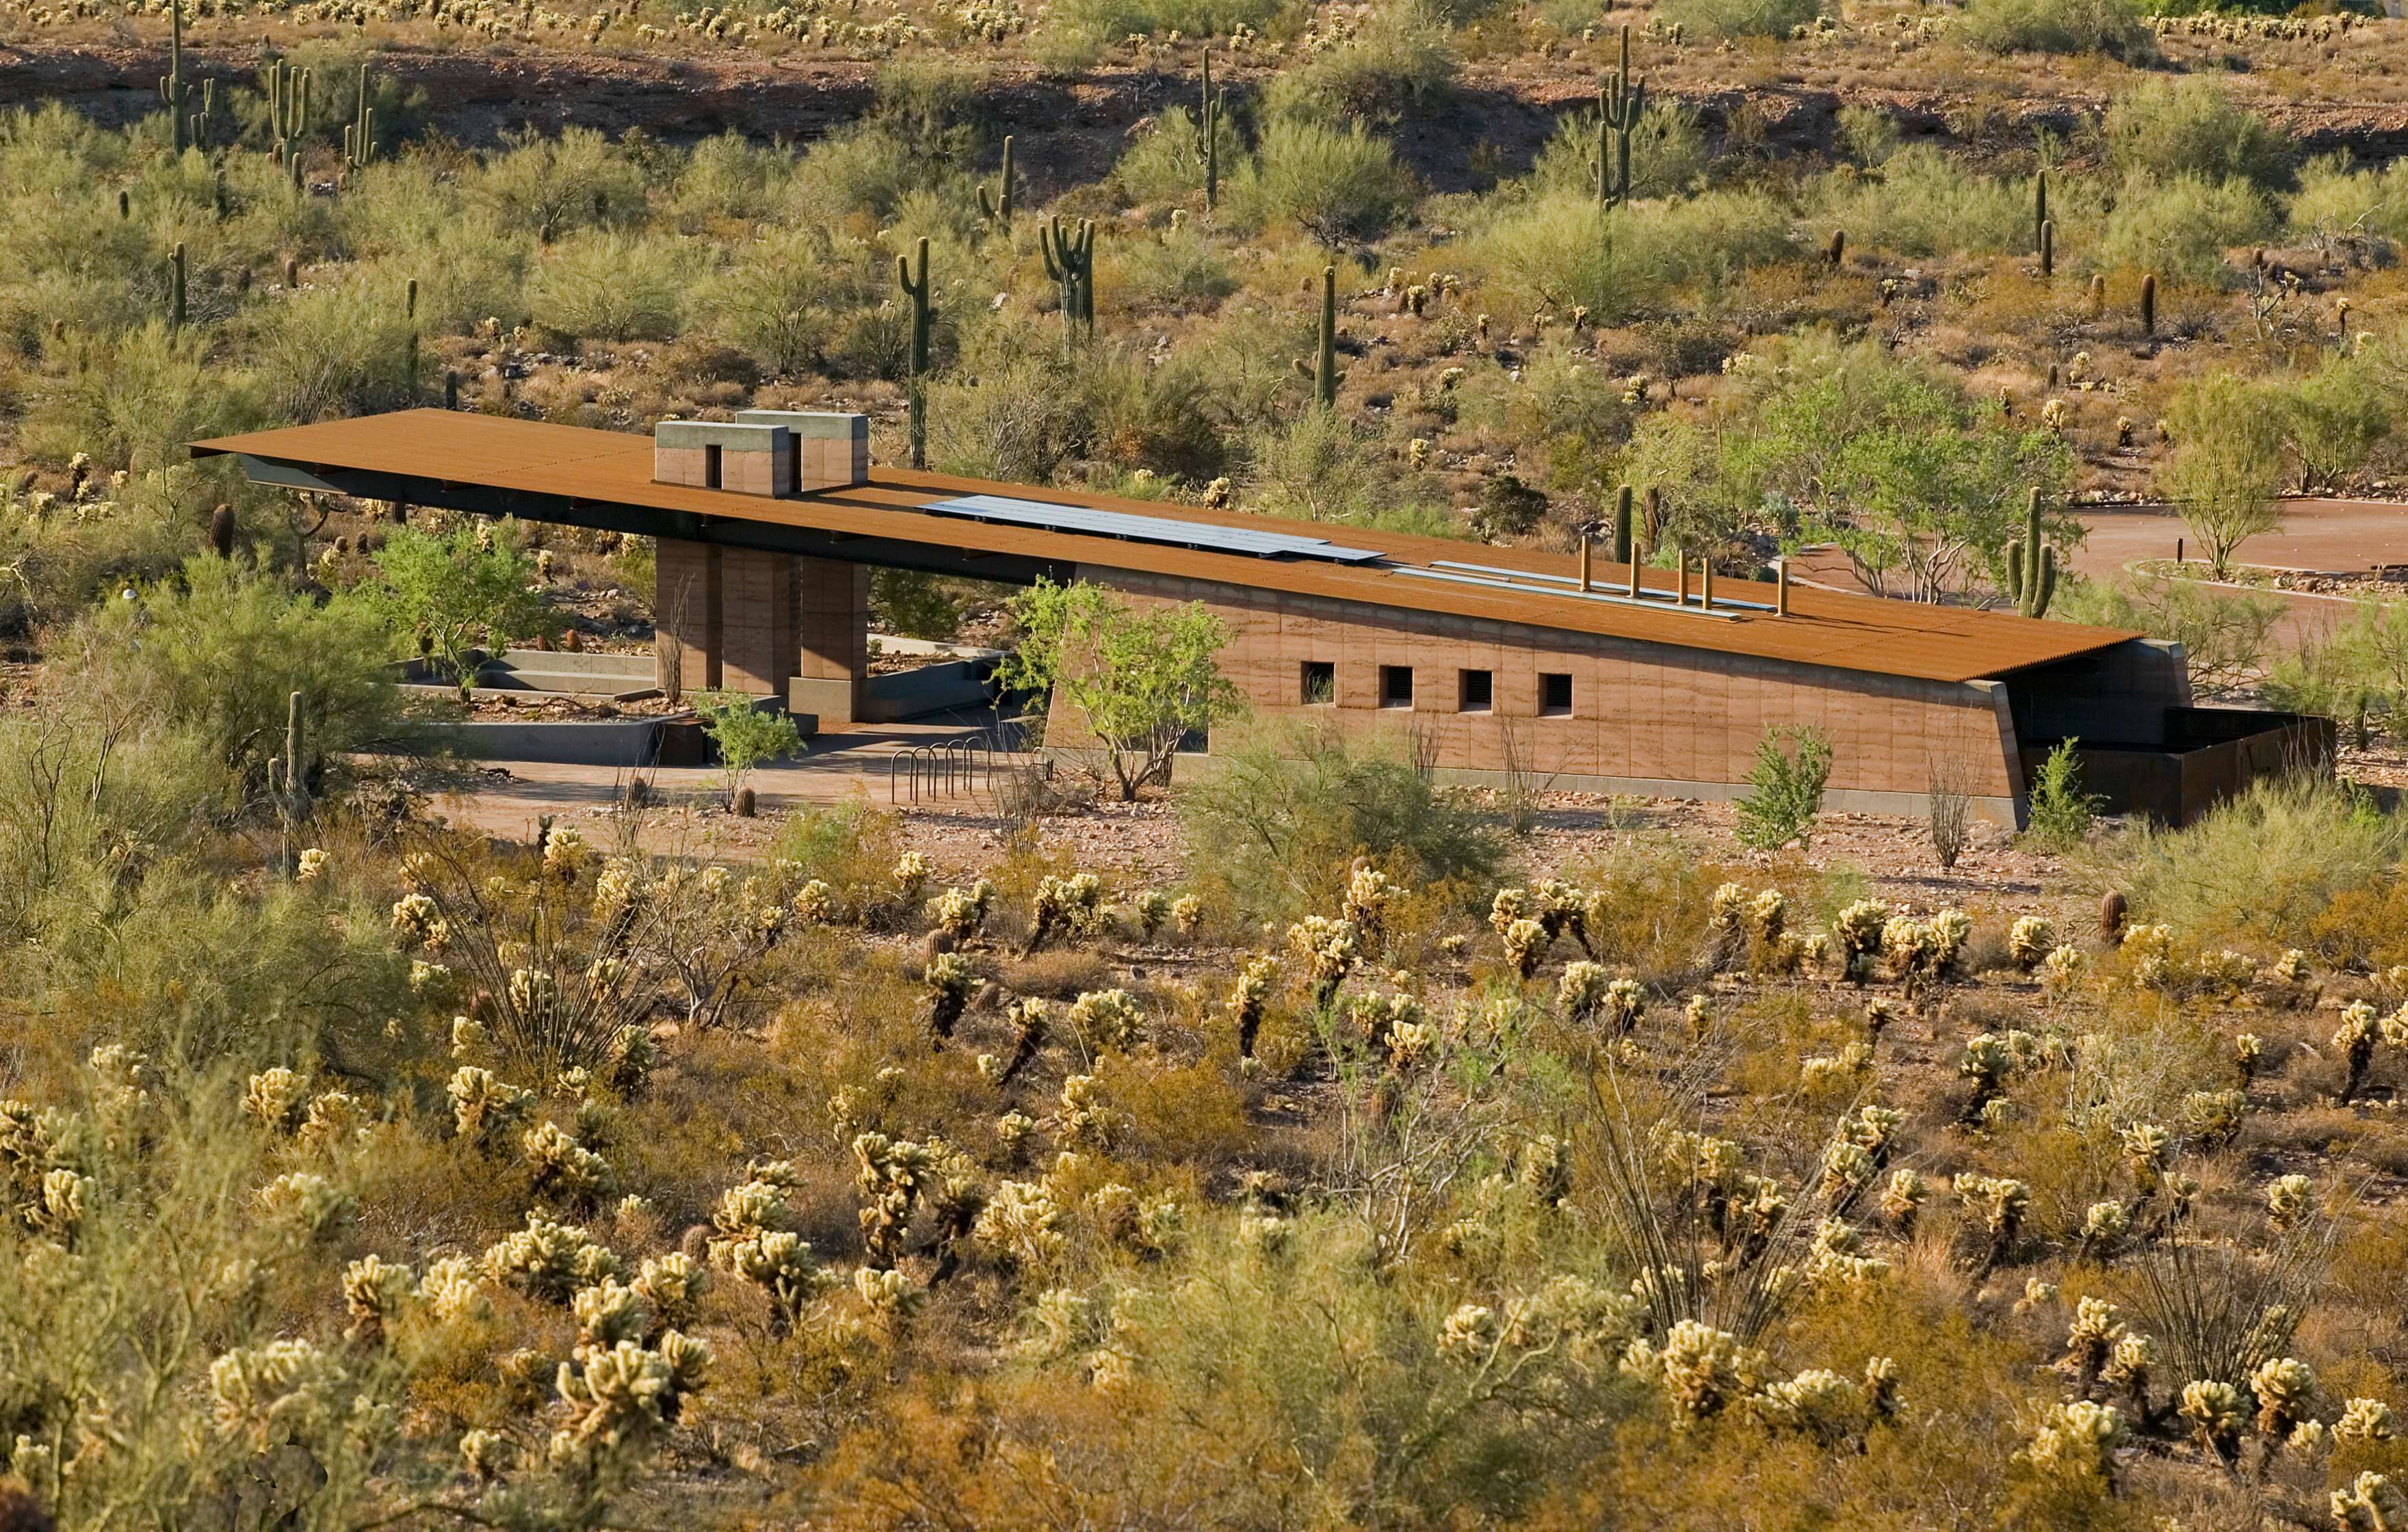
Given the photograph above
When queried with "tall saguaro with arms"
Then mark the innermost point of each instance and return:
(782, 626)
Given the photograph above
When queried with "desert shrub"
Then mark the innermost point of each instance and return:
(554, 186)
(60, 564)
(412, 223)
(2335, 419)
(1400, 59)
(1321, 466)
(134, 400)
(1560, 250)
(1011, 409)
(914, 604)
(1739, 18)
(1112, 19)
(1279, 819)
(2224, 633)
(743, 734)
(2169, 128)
(1784, 790)
(219, 650)
(2183, 226)
(2113, 27)
(1167, 162)
(2261, 868)
(1176, 269)
(862, 167)
(2060, 812)
(773, 299)
(1920, 202)
(2336, 202)
(2226, 465)
(726, 178)
(338, 351)
(610, 287)
(1335, 183)
(1667, 153)
(457, 590)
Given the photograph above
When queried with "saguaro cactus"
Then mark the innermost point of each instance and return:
(2149, 303)
(1208, 117)
(1071, 262)
(2048, 246)
(2031, 565)
(171, 84)
(1625, 517)
(358, 135)
(1837, 250)
(176, 286)
(288, 93)
(2039, 209)
(288, 784)
(916, 288)
(1322, 368)
(1619, 102)
(996, 207)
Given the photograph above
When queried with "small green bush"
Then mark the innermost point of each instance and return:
(1112, 19)
(745, 735)
(1335, 183)
(1920, 202)
(1402, 58)
(339, 352)
(610, 287)
(552, 187)
(2261, 868)
(1166, 164)
(1784, 790)
(1280, 819)
(2167, 128)
(1176, 269)
(2113, 27)
(1667, 153)
(2061, 812)
(2184, 227)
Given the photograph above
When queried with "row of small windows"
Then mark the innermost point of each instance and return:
(1475, 691)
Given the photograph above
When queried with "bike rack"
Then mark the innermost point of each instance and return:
(943, 766)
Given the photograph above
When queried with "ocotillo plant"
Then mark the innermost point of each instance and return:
(359, 136)
(176, 286)
(916, 288)
(1618, 105)
(1071, 262)
(1322, 368)
(2031, 565)
(171, 84)
(2149, 303)
(1208, 116)
(996, 207)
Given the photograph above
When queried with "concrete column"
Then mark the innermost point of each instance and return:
(687, 642)
(759, 619)
(833, 681)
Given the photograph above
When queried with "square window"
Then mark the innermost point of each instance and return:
(1477, 685)
(1396, 686)
(1555, 693)
(1320, 683)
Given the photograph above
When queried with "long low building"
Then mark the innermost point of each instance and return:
(1590, 676)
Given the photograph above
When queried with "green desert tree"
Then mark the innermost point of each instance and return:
(457, 590)
(2227, 466)
(1143, 677)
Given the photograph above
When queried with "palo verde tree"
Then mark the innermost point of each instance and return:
(454, 591)
(1143, 677)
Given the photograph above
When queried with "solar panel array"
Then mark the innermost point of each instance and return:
(1148, 529)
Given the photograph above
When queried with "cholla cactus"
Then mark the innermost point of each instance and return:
(1508, 906)
(2292, 969)
(2078, 1441)
(815, 902)
(1858, 932)
(1152, 910)
(1471, 1335)
(959, 912)
(1187, 914)
(2130, 1366)
(565, 854)
(609, 1312)
(1702, 1371)
(1526, 944)
(2368, 1502)
(1580, 991)
(624, 1394)
(263, 1391)
(1064, 907)
(1022, 1222)
(549, 1261)
(2062, 969)
(565, 1171)
(2288, 1199)
(274, 1100)
(1247, 998)
(673, 1285)
(890, 1174)
(1625, 1002)
(1329, 949)
(1379, 1015)
(1902, 1199)
(1369, 894)
(2030, 939)
(415, 916)
(2285, 1388)
(2088, 1341)
(1987, 1062)
(2148, 1148)
(1083, 1118)
(887, 1292)
(309, 1202)
(910, 875)
(2215, 1117)
(1998, 1203)
(2365, 1420)
(452, 1289)
(1817, 1402)
(484, 1107)
(373, 1290)
(778, 1262)
(2103, 1228)
(2356, 1039)
(2247, 1050)
(948, 979)
(1107, 1019)
(2215, 1410)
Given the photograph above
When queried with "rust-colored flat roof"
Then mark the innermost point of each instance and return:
(1822, 627)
